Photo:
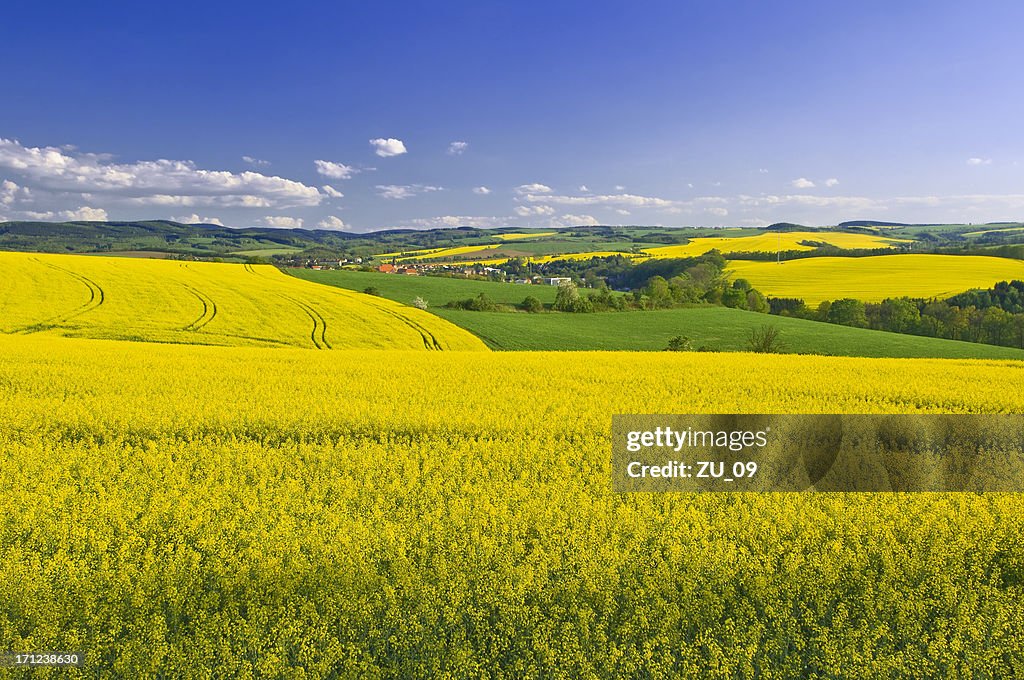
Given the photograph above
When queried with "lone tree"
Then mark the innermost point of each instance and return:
(419, 303)
(765, 340)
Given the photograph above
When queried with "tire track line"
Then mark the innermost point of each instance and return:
(430, 341)
(319, 333)
(209, 309)
(96, 298)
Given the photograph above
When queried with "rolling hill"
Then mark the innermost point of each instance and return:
(205, 303)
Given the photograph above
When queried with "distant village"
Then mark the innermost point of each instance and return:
(431, 269)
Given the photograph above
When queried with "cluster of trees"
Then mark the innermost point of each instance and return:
(994, 316)
(699, 287)
(658, 284)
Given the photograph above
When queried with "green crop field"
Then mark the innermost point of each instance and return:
(719, 328)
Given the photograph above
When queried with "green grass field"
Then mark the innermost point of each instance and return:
(720, 328)
(435, 290)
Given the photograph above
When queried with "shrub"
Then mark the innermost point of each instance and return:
(765, 340)
(532, 305)
(680, 343)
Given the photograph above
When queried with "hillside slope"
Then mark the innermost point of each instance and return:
(205, 303)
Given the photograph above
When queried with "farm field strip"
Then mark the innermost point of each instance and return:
(205, 303)
(518, 236)
(994, 231)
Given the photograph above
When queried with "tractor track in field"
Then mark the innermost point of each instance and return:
(209, 309)
(430, 341)
(96, 298)
(319, 333)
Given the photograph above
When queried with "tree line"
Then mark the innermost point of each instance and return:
(994, 316)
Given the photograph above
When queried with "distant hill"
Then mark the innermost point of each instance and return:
(873, 223)
(211, 240)
(787, 226)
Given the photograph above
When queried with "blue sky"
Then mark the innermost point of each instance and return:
(698, 113)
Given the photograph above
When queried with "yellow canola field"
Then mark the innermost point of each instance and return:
(517, 236)
(773, 241)
(872, 279)
(188, 511)
(205, 303)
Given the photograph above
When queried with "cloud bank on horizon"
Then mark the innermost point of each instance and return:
(649, 129)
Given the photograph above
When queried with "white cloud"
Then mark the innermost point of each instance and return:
(840, 202)
(979, 161)
(831, 182)
(282, 222)
(196, 219)
(168, 200)
(335, 170)
(482, 191)
(332, 192)
(530, 210)
(455, 148)
(332, 222)
(399, 191)
(619, 187)
(479, 222)
(11, 192)
(574, 221)
(802, 183)
(149, 182)
(763, 171)
(625, 200)
(258, 162)
(534, 188)
(85, 214)
(689, 185)
(388, 147)
(717, 212)
(584, 188)
(621, 211)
